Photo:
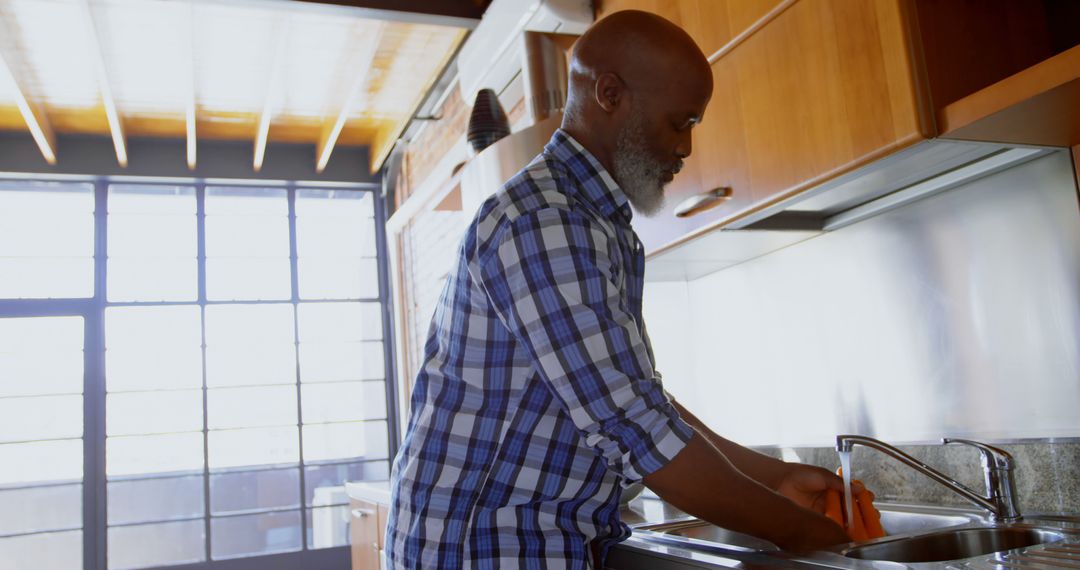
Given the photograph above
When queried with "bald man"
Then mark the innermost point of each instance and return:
(538, 402)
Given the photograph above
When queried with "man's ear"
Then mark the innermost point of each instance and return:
(610, 91)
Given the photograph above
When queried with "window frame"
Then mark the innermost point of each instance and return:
(92, 310)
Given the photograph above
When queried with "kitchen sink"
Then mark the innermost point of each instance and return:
(903, 519)
(698, 531)
(955, 544)
(895, 519)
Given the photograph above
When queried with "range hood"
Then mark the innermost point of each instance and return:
(917, 172)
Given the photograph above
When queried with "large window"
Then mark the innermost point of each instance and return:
(188, 373)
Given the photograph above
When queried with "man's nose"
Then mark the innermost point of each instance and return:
(685, 146)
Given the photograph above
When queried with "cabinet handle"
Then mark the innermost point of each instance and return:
(698, 203)
(361, 513)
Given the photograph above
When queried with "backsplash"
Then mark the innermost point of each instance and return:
(1047, 473)
(954, 316)
(957, 315)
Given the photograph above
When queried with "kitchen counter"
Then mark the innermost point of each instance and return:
(666, 539)
(377, 492)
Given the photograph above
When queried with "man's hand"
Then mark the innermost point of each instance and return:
(805, 485)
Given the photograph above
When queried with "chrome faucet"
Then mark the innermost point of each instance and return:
(1001, 499)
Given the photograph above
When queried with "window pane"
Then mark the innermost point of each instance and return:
(27, 373)
(338, 278)
(46, 240)
(250, 535)
(253, 490)
(46, 278)
(247, 236)
(137, 413)
(251, 407)
(152, 279)
(41, 355)
(153, 368)
(152, 243)
(247, 244)
(156, 544)
(343, 401)
(153, 347)
(345, 440)
(40, 509)
(334, 361)
(152, 235)
(250, 365)
(41, 461)
(326, 322)
(328, 527)
(45, 417)
(323, 481)
(334, 236)
(245, 201)
(154, 500)
(249, 447)
(241, 279)
(52, 551)
(136, 455)
(348, 204)
(151, 199)
(250, 344)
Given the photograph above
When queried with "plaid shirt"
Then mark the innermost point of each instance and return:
(537, 397)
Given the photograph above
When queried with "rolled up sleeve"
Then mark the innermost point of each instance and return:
(552, 280)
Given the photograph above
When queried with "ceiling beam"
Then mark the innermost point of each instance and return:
(331, 130)
(111, 113)
(189, 112)
(32, 112)
(456, 13)
(273, 92)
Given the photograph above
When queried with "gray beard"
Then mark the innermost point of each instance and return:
(638, 175)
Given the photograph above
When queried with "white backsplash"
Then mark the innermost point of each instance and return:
(955, 315)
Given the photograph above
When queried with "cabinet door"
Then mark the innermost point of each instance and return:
(718, 160)
(365, 535)
(712, 23)
(827, 87)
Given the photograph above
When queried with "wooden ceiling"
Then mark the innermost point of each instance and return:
(265, 72)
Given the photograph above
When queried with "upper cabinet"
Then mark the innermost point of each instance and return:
(807, 91)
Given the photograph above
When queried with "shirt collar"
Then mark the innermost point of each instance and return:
(597, 186)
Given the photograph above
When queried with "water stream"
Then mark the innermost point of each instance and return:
(845, 467)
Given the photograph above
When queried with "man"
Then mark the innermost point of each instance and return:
(538, 401)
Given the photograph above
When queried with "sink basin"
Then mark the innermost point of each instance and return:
(953, 544)
(701, 530)
(898, 519)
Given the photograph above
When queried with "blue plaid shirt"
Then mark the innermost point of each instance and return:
(537, 399)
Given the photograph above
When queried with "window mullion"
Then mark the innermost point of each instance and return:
(294, 275)
(95, 490)
(200, 232)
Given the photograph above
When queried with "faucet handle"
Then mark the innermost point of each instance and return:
(993, 457)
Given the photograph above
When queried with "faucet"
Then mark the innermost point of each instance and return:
(1001, 499)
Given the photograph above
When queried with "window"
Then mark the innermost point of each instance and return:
(234, 364)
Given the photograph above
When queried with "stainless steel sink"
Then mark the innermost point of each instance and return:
(896, 519)
(698, 531)
(953, 544)
(903, 519)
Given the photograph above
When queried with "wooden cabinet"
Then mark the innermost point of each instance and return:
(712, 23)
(367, 525)
(823, 87)
(808, 90)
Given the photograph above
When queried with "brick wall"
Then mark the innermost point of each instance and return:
(429, 248)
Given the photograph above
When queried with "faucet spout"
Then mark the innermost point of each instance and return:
(1000, 501)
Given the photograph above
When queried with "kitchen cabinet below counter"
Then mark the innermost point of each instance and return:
(368, 510)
